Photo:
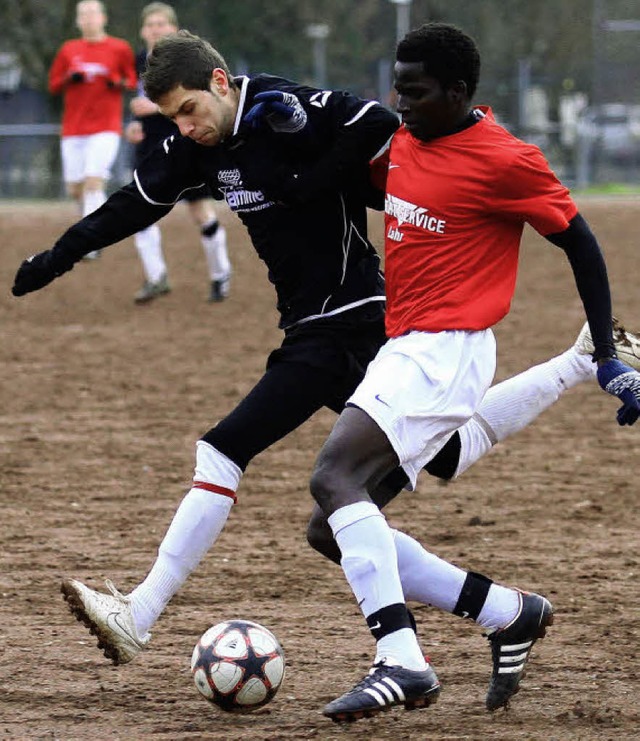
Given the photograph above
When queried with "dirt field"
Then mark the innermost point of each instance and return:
(101, 404)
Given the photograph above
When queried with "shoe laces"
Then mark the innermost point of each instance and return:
(111, 587)
(620, 336)
(370, 679)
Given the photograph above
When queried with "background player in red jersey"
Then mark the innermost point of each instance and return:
(148, 130)
(91, 73)
(459, 190)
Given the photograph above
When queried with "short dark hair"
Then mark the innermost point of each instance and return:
(447, 54)
(181, 59)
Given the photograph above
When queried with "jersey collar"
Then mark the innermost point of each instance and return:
(243, 83)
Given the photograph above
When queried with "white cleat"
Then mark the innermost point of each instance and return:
(109, 617)
(626, 343)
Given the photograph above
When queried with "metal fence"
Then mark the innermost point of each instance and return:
(30, 162)
(586, 146)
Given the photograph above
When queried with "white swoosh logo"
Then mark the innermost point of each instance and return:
(113, 621)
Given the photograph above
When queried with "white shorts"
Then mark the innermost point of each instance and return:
(88, 156)
(422, 386)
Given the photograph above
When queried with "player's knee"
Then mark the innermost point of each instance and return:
(325, 483)
(202, 212)
(74, 190)
(320, 538)
(92, 184)
(210, 228)
(213, 467)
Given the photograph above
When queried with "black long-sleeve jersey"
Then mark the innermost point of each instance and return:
(301, 192)
(155, 126)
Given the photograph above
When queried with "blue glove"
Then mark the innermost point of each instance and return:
(620, 380)
(282, 112)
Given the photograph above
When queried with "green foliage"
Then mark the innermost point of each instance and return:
(555, 37)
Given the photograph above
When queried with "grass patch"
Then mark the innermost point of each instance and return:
(609, 189)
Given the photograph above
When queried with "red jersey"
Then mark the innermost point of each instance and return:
(91, 106)
(455, 209)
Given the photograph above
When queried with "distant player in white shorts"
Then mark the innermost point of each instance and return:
(87, 161)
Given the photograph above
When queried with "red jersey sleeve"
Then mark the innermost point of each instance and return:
(531, 192)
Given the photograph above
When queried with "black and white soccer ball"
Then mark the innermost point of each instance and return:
(238, 665)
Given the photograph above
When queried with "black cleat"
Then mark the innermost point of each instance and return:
(511, 645)
(219, 289)
(384, 687)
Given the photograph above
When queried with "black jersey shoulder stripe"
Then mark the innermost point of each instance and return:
(361, 112)
(160, 203)
(244, 83)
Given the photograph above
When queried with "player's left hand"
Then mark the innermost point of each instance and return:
(282, 112)
(622, 381)
(36, 272)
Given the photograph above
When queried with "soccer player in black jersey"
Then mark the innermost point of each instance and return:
(292, 163)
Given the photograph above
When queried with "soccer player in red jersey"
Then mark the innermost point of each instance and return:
(307, 220)
(459, 190)
(91, 73)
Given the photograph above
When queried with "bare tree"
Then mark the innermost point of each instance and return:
(33, 30)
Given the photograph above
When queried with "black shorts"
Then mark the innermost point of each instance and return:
(319, 364)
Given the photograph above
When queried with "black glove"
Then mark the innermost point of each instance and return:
(36, 272)
(76, 77)
(282, 112)
(620, 380)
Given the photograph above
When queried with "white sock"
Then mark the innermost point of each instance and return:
(500, 607)
(195, 527)
(370, 565)
(148, 243)
(425, 577)
(431, 581)
(92, 200)
(215, 251)
(511, 405)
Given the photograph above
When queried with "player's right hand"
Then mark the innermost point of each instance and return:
(282, 112)
(141, 106)
(133, 132)
(621, 380)
(35, 273)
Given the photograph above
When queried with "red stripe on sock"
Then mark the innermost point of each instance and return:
(215, 489)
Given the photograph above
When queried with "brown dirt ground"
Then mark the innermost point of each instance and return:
(101, 404)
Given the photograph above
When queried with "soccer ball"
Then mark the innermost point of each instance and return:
(238, 665)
